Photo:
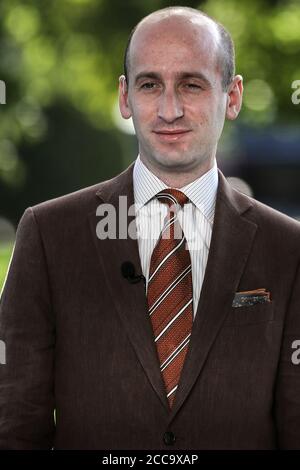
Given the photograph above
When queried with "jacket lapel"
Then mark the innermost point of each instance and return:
(231, 242)
(129, 299)
(232, 238)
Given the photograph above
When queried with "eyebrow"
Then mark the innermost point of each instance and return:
(184, 75)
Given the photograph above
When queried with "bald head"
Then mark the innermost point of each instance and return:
(189, 23)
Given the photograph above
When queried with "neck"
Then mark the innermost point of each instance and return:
(179, 178)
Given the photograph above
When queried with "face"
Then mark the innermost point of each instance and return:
(175, 95)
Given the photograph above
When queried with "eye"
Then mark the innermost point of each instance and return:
(149, 86)
(193, 86)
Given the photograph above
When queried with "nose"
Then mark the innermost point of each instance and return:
(170, 107)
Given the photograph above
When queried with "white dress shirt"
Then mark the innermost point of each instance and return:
(196, 219)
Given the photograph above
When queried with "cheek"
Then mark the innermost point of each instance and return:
(213, 118)
(220, 117)
(199, 118)
(199, 112)
(143, 115)
(145, 107)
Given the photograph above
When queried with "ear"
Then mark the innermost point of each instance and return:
(234, 98)
(123, 98)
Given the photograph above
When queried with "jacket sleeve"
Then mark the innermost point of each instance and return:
(27, 331)
(287, 390)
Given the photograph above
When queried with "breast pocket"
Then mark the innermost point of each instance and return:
(249, 315)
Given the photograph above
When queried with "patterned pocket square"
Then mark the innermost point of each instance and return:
(251, 297)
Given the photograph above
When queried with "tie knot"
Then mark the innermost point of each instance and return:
(172, 196)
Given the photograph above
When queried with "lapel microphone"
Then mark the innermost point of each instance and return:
(128, 271)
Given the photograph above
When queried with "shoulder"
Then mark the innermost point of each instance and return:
(86, 199)
(265, 214)
(72, 206)
(77, 200)
(278, 228)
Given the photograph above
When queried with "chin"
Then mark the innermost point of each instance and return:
(173, 160)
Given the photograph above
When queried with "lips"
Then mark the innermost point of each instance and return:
(171, 135)
(172, 131)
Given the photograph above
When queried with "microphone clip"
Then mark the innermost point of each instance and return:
(128, 272)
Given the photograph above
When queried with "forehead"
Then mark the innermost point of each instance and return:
(175, 44)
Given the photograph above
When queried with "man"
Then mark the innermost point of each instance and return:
(201, 354)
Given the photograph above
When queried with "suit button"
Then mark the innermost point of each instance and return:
(169, 438)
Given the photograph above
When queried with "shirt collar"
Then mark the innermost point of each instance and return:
(202, 191)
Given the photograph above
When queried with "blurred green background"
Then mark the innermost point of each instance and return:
(60, 128)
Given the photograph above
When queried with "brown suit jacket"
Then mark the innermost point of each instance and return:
(79, 339)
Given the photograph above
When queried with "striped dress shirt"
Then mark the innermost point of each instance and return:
(196, 219)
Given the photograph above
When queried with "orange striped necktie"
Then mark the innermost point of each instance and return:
(170, 293)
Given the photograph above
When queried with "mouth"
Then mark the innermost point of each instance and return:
(171, 135)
